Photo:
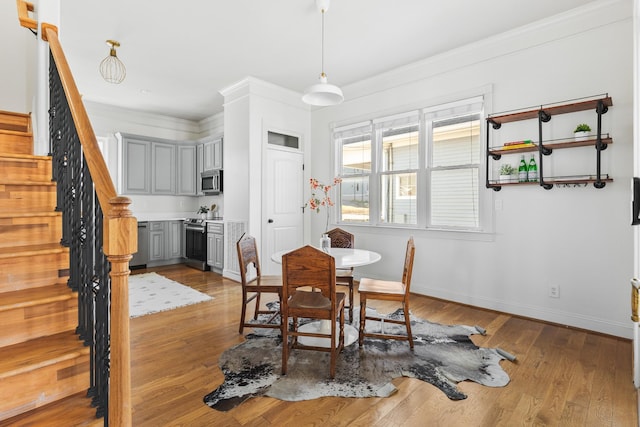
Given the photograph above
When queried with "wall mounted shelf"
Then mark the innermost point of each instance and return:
(543, 114)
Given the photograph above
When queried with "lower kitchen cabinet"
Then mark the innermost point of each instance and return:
(215, 246)
(165, 242)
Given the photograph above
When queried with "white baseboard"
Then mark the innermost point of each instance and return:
(546, 314)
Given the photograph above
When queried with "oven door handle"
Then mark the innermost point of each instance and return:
(199, 229)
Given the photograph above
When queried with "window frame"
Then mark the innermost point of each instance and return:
(424, 170)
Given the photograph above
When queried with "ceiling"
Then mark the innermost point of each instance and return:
(179, 54)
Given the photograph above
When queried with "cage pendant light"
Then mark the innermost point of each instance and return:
(111, 68)
(323, 93)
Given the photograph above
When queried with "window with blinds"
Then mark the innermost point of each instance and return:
(355, 159)
(419, 169)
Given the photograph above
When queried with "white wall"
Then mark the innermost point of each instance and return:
(18, 53)
(578, 238)
(252, 107)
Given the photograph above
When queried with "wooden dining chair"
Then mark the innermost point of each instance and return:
(372, 289)
(344, 276)
(309, 291)
(253, 288)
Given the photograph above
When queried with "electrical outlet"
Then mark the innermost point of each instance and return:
(554, 291)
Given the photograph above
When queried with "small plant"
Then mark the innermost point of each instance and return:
(203, 210)
(507, 169)
(583, 127)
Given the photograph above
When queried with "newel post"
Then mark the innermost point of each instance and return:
(121, 240)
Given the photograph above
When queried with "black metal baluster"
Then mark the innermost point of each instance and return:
(82, 222)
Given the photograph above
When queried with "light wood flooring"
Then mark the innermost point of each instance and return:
(562, 376)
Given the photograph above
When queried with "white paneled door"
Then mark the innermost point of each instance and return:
(283, 191)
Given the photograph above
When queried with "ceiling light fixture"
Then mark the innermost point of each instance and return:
(111, 68)
(323, 93)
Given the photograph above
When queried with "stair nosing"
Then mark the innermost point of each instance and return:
(29, 214)
(32, 250)
(45, 182)
(52, 293)
(16, 132)
(25, 157)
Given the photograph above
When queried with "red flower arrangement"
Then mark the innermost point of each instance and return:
(317, 201)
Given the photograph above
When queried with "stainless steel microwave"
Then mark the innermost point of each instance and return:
(211, 181)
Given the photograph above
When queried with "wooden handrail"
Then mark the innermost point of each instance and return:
(23, 15)
(120, 238)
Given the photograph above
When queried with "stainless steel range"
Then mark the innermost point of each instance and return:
(196, 243)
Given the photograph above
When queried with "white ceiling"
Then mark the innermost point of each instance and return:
(179, 54)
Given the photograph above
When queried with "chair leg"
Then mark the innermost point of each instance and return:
(351, 300)
(244, 311)
(285, 347)
(255, 314)
(363, 314)
(407, 321)
(334, 351)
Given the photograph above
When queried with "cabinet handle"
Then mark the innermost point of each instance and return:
(270, 221)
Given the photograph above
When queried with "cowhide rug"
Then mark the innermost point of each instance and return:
(443, 356)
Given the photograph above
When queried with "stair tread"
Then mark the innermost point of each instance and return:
(76, 410)
(29, 214)
(32, 250)
(25, 157)
(37, 353)
(35, 296)
(16, 132)
(5, 181)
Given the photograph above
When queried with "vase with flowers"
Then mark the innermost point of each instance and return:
(321, 196)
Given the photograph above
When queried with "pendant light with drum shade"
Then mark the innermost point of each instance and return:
(111, 68)
(322, 94)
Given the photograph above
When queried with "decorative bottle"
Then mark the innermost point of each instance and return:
(325, 241)
(532, 170)
(522, 170)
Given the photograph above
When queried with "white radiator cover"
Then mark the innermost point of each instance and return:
(233, 230)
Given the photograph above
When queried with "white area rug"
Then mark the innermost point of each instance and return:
(152, 292)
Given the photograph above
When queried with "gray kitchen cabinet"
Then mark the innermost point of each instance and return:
(174, 240)
(183, 240)
(218, 258)
(186, 170)
(199, 168)
(157, 240)
(215, 246)
(163, 168)
(212, 154)
(136, 166)
(165, 242)
(149, 165)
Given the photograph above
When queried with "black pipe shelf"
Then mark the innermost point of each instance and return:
(543, 114)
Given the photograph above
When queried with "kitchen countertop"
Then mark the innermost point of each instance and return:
(180, 216)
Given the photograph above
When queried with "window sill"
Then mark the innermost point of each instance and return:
(437, 233)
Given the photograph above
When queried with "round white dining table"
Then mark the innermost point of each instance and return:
(345, 258)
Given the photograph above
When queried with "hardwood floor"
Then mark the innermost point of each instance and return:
(562, 376)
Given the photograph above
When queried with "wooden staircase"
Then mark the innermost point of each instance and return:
(42, 360)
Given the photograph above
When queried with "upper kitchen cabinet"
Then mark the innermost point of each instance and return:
(187, 170)
(163, 167)
(156, 166)
(212, 154)
(135, 164)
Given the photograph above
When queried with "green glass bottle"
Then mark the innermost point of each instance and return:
(532, 170)
(522, 170)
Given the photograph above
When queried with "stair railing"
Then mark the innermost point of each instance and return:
(99, 230)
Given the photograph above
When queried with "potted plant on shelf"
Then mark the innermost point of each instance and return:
(582, 132)
(202, 210)
(506, 171)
